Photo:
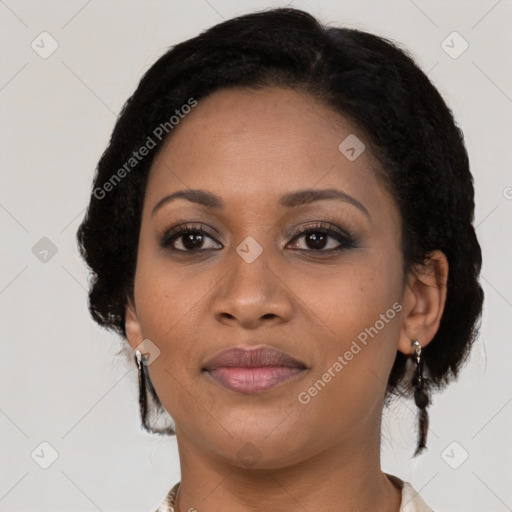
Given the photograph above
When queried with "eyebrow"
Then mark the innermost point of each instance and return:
(289, 200)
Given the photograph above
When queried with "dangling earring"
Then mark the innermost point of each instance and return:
(143, 404)
(420, 397)
(142, 387)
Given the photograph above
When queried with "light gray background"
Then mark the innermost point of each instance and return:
(61, 380)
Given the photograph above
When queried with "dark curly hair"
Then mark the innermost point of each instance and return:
(367, 79)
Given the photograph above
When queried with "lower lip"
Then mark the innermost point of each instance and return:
(253, 380)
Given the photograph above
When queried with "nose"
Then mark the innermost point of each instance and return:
(252, 293)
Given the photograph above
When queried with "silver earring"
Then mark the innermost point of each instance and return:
(143, 401)
(420, 397)
(138, 358)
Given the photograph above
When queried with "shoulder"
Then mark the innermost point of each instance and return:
(411, 500)
(167, 504)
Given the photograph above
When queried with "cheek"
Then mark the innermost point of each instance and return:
(167, 313)
(359, 312)
(166, 303)
(351, 298)
(348, 385)
(165, 294)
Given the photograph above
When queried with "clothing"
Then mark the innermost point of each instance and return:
(411, 500)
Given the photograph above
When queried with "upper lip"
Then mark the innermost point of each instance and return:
(252, 357)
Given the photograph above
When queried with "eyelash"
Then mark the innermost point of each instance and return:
(346, 239)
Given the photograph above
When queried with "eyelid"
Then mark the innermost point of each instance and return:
(320, 225)
(198, 224)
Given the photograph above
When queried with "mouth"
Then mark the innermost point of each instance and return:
(253, 370)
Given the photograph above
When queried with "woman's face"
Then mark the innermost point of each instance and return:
(331, 299)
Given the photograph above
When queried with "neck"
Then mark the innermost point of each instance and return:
(344, 478)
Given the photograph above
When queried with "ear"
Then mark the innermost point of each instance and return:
(132, 325)
(424, 300)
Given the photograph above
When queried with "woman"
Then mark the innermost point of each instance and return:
(281, 229)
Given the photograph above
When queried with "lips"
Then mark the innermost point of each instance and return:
(253, 358)
(253, 370)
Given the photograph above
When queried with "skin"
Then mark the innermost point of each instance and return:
(249, 147)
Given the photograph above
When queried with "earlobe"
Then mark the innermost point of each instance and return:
(132, 325)
(424, 301)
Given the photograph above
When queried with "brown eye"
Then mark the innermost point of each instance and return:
(316, 240)
(191, 239)
(320, 238)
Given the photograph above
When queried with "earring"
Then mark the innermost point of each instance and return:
(143, 404)
(420, 398)
(142, 386)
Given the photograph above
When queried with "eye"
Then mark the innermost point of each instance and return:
(316, 238)
(320, 237)
(190, 238)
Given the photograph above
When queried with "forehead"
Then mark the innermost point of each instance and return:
(257, 144)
